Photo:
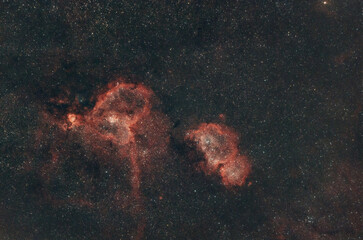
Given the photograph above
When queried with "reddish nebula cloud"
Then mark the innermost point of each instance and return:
(126, 134)
(219, 145)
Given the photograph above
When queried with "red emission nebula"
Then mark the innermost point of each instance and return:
(124, 131)
(219, 145)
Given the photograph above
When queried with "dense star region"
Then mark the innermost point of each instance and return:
(181, 120)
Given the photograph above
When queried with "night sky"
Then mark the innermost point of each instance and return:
(181, 120)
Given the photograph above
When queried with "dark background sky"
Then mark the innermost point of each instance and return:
(286, 74)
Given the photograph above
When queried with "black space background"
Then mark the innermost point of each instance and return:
(286, 74)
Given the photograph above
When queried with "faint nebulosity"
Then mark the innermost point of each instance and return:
(181, 120)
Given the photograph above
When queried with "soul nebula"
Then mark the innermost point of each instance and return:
(219, 145)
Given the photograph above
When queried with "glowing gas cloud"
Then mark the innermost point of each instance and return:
(125, 134)
(219, 145)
